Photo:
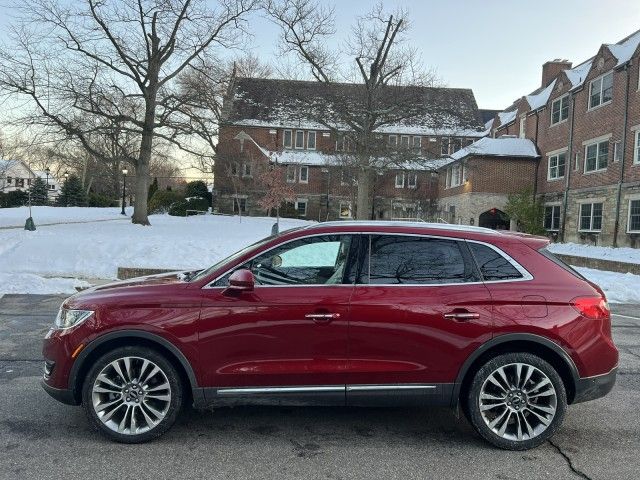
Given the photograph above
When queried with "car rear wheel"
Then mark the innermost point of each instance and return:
(516, 401)
(132, 394)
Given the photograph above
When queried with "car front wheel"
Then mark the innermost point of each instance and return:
(132, 394)
(516, 401)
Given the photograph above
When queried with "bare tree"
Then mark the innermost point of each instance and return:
(115, 60)
(387, 85)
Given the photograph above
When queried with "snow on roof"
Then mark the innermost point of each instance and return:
(625, 49)
(577, 75)
(540, 99)
(499, 147)
(489, 125)
(507, 117)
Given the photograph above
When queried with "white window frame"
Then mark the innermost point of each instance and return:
(244, 170)
(408, 139)
(311, 134)
(284, 139)
(551, 167)
(305, 202)
(412, 176)
(601, 80)
(590, 229)
(553, 207)
(455, 175)
(295, 140)
(291, 174)
(416, 145)
(560, 101)
(393, 144)
(523, 126)
(631, 200)
(303, 168)
(400, 175)
(636, 147)
(444, 140)
(597, 145)
(346, 204)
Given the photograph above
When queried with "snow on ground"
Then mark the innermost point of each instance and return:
(15, 217)
(35, 284)
(618, 287)
(96, 250)
(622, 254)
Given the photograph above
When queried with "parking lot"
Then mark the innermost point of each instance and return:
(41, 438)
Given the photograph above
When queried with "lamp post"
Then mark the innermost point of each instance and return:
(47, 171)
(66, 195)
(124, 188)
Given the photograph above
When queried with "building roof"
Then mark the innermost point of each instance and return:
(280, 103)
(625, 48)
(540, 97)
(497, 147)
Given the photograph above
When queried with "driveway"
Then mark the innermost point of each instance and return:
(40, 438)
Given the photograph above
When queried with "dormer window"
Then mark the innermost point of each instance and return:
(404, 141)
(311, 141)
(560, 109)
(601, 90)
(393, 141)
(299, 139)
(287, 139)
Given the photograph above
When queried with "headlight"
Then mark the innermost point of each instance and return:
(71, 318)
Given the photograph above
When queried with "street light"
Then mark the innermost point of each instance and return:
(124, 188)
(47, 171)
(66, 195)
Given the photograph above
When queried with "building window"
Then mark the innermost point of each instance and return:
(9, 180)
(552, 217)
(636, 147)
(576, 165)
(523, 127)
(412, 180)
(20, 182)
(345, 210)
(287, 139)
(301, 207)
(291, 173)
(311, 141)
(617, 151)
(233, 167)
(246, 170)
(601, 90)
(455, 175)
(404, 141)
(239, 205)
(393, 141)
(444, 147)
(590, 217)
(400, 180)
(457, 144)
(557, 165)
(299, 139)
(596, 156)
(560, 110)
(304, 174)
(417, 143)
(634, 216)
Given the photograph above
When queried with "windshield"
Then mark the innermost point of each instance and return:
(204, 273)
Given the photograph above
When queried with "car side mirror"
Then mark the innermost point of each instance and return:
(241, 281)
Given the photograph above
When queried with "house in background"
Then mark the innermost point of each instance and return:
(16, 175)
(265, 122)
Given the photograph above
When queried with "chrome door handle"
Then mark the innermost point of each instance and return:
(461, 315)
(322, 316)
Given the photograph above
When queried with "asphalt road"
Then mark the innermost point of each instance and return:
(40, 438)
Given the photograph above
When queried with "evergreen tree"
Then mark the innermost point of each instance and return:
(153, 188)
(198, 189)
(38, 192)
(72, 193)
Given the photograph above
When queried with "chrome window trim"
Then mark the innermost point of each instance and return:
(526, 275)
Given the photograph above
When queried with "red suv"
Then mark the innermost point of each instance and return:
(345, 313)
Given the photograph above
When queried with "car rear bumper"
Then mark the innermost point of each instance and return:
(591, 388)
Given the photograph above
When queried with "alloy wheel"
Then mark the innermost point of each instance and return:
(131, 395)
(517, 401)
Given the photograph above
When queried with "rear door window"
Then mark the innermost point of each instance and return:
(411, 260)
(492, 265)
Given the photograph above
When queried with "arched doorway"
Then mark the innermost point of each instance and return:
(495, 219)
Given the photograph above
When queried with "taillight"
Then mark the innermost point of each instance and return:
(595, 308)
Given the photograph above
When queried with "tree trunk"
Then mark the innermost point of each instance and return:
(363, 203)
(144, 159)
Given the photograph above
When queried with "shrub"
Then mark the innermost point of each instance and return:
(162, 200)
(97, 200)
(15, 198)
(179, 209)
(527, 211)
(198, 189)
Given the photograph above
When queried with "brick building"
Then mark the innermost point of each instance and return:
(585, 121)
(267, 121)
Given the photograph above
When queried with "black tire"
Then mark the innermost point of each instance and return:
(524, 415)
(172, 406)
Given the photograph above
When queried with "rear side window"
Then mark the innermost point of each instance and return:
(560, 263)
(492, 265)
(396, 259)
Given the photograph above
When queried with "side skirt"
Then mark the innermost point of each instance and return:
(327, 395)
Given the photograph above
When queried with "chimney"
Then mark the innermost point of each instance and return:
(552, 68)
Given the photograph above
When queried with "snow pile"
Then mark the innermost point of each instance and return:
(499, 147)
(618, 287)
(96, 250)
(35, 284)
(622, 254)
(15, 217)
